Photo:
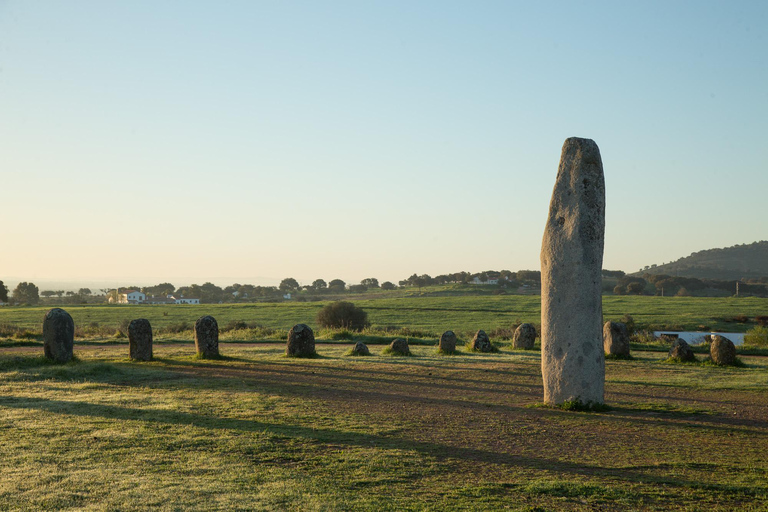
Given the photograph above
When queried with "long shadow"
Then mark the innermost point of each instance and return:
(439, 451)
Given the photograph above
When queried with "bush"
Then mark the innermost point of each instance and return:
(757, 337)
(343, 315)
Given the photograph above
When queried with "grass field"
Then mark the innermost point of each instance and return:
(424, 316)
(258, 431)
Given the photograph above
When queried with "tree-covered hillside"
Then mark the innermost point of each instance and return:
(746, 261)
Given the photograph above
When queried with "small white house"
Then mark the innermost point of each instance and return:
(184, 300)
(131, 297)
(490, 281)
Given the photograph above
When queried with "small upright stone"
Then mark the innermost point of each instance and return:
(616, 339)
(140, 339)
(447, 343)
(722, 351)
(681, 351)
(572, 359)
(481, 342)
(58, 335)
(301, 341)
(360, 349)
(207, 337)
(400, 346)
(524, 337)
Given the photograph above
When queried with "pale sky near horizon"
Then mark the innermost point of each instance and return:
(249, 141)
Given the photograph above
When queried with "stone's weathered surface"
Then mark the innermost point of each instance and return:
(400, 346)
(301, 341)
(58, 335)
(722, 351)
(140, 339)
(681, 351)
(615, 339)
(524, 337)
(207, 337)
(481, 342)
(361, 349)
(447, 342)
(572, 359)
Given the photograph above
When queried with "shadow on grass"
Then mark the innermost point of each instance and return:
(314, 434)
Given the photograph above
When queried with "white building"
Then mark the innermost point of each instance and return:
(490, 281)
(131, 297)
(183, 300)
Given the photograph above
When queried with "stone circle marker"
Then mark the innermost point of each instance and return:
(481, 342)
(524, 337)
(140, 339)
(360, 349)
(722, 351)
(207, 337)
(400, 346)
(681, 351)
(572, 359)
(58, 335)
(616, 339)
(447, 343)
(301, 341)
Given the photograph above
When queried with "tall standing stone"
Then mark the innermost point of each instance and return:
(301, 341)
(207, 337)
(447, 343)
(722, 351)
(58, 335)
(524, 337)
(140, 340)
(616, 339)
(572, 359)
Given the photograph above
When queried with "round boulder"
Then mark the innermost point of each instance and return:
(360, 349)
(301, 341)
(447, 342)
(722, 351)
(524, 337)
(681, 351)
(207, 337)
(140, 339)
(481, 342)
(616, 339)
(400, 346)
(58, 335)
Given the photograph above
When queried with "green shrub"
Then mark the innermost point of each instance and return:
(757, 337)
(343, 315)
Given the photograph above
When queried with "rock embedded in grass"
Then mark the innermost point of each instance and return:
(524, 337)
(572, 358)
(360, 349)
(447, 343)
(207, 337)
(301, 341)
(722, 351)
(480, 342)
(616, 339)
(681, 351)
(140, 339)
(400, 346)
(58, 335)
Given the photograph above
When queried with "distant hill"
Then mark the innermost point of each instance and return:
(746, 261)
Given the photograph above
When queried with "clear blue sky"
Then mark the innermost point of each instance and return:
(223, 141)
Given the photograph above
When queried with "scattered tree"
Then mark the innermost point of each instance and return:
(84, 291)
(26, 293)
(289, 284)
(3, 292)
(47, 293)
(337, 285)
(370, 282)
(386, 285)
(319, 285)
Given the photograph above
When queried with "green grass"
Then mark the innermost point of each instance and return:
(422, 317)
(258, 431)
